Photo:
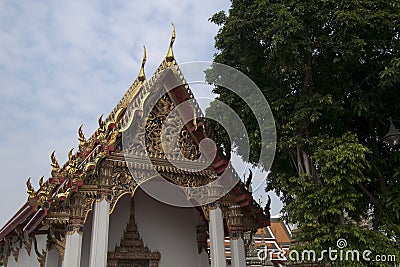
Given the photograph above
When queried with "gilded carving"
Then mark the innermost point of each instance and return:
(55, 167)
(88, 201)
(235, 221)
(31, 190)
(56, 239)
(15, 253)
(81, 138)
(154, 140)
(41, 256)
(72, 167)
(45, 192)
(122, 183)
(28, 245)
(202, 236)
(79, 206)
(142, 76)
(42, 195)
(136, 141)
(60, 246)
(170, 54)
(21, 241)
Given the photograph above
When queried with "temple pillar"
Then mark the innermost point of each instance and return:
(238, 255)
(101, 219)
(235, 223)
(73, 236)
(217, 238)
(100, 228)
(72, 254)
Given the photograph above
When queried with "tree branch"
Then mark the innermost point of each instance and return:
(369, 194)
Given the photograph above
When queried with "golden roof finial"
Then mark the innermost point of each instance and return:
(142, 76)
(41, 182)
(81, 138)
(54, 163)
(101, 123)
(170, 55)
(70, 155)
(29, 186)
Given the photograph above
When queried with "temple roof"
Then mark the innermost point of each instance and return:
(76, 174)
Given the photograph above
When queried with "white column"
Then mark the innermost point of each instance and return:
(217, 240)
(238, 255)
(72, 254)
(99, 244)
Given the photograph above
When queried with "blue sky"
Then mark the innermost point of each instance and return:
(63, 63)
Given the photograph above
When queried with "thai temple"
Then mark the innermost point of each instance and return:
(110, 204)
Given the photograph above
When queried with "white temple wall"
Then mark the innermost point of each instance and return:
(41, 245)
(53, 258)
(11, 261)
(118, 221)
(86, 239)
(170, 230)
(204, 262)
(23, 257)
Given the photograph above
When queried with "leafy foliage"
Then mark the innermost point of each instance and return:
(331, 73)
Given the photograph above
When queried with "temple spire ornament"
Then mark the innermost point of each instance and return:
(70, 154)
(101, 123)
(31, 190)
(41, 182)
(142, 75)
(170, 54)
(55, 167)
(81, 138)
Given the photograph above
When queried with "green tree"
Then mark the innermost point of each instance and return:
(331, 73)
